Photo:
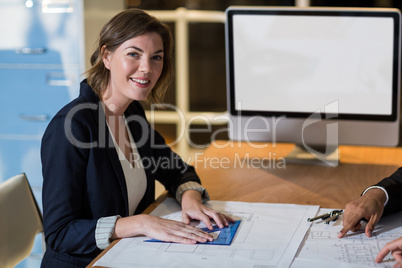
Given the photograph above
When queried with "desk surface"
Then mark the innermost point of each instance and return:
(232, 171)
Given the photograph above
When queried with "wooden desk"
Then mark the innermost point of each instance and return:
(232, 171)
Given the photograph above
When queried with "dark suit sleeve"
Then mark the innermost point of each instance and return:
(66, 224)
(393, 186)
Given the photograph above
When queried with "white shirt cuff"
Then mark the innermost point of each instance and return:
(104, 231)
(378, 187)
(191, 185)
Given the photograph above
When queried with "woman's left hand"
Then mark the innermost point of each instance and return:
(193, 209)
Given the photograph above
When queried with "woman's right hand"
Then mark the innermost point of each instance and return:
(160, 229)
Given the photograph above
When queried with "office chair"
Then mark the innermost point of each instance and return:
(20, 220)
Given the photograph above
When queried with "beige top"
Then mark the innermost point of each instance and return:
(136, 179)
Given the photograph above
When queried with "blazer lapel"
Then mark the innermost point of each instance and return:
(105, 141)
(140, 129)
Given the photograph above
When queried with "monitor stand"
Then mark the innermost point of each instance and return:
(317, 155)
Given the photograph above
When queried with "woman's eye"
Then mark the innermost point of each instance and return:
(157, 57)
(133, 54)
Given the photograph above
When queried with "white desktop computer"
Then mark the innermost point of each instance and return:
(316, 77)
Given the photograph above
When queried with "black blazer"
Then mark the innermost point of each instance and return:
(393, 185)
(83, 179)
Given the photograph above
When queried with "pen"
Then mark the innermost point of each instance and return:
(323, 216)
(328, 217)
(333, 218)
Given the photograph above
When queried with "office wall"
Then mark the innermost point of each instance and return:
(96, 14)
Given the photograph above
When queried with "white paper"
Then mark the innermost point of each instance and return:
(268, 236)
(323, 248)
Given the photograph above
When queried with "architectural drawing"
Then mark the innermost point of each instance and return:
(355, 249)
(268, 236)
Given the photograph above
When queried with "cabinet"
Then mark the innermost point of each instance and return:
(41, 63)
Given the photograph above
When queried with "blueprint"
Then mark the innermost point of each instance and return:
(323, 248)
(268, 236)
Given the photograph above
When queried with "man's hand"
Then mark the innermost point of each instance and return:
(369, 206)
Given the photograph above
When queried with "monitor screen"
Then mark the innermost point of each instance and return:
(336, 65)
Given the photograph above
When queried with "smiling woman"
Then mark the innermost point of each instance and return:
(101, 157)
(125, 27)
(134, 67)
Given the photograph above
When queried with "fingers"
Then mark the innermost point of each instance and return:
(220, 219)
(342, 232)
(356, 227)
(347, 227)
(179, 232)
(351, 220)
(173, 231)
(371, 224)
(228, 218)
(369, 206)
(381, 255)
(368, 230)
(206, 215)
(197, 214)
(185, 219)
(395, 247)
(187, 234)
(205, 219)
(398, 264)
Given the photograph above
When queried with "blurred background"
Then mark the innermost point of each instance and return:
(207, 76)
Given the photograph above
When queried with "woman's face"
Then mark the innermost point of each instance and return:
(135, 67)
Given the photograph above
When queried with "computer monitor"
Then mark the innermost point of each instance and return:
(316, 77)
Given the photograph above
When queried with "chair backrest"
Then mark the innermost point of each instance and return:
(20, 220)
